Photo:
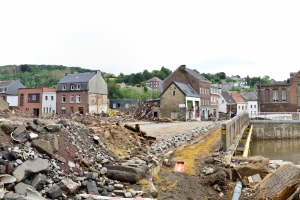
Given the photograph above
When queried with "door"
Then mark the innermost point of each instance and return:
(36, 112)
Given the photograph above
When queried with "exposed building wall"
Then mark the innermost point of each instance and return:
(97, 84)
(98, 103)
(265, 130)
(3, 104)
(170, 104)
(252, 108)
(122, 104)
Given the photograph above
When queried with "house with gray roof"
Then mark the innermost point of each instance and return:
(82, 93)
(198, 82)
(252, 102)
(9, 92)
(179, 101)
(227, 104)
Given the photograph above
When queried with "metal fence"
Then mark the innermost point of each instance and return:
(276, 116)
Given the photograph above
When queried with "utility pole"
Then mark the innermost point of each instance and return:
(258, 99)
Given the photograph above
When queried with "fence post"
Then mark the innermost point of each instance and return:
(223, 137)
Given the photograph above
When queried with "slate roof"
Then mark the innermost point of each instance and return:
(186, 89)
(154, 79)
(250, 96)
(5, 83)
(78, 78)
(228, 98)
(197, 75)
(237, 97)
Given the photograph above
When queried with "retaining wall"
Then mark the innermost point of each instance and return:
(275, 129)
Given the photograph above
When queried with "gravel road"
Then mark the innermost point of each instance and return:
(166, 130)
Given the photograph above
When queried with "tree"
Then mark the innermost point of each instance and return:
(233, 88)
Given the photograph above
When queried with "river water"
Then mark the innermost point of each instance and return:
(286, 150)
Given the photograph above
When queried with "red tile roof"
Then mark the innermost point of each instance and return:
(237, 96)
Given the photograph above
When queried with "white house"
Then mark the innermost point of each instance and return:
(252, 102)
(241, 103)
(49, 102)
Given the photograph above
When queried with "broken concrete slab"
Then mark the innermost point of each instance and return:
(19, 130)
(125, 174)
(54, 192)
(43, 146)
(69, 186)
(39, 181)
(53, 141)
(21, 188)
(29, 167)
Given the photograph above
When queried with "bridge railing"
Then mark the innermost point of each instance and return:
(232, 131)
(276, 116)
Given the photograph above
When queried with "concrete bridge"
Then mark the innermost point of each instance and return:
(264, 126)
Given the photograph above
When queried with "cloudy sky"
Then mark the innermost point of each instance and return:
(254, 38)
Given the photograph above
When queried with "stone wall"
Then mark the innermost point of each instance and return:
(279, 129)
(170, 104)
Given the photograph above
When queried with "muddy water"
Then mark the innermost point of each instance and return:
(286, 150)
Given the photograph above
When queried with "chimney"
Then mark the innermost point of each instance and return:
(182, 67)
(292, 74)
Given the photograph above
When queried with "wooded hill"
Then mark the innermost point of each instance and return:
(38, 75)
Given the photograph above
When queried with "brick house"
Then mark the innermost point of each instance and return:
(215, 94)
(241, 103)
(32, 101)
(154, 83)
(193, 78)
(83, 93)
(281, 96)
(180, 101)
(9, 92)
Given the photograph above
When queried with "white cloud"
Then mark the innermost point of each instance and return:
(237, 37)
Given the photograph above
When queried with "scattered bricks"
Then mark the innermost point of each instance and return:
(92, 188)
(39, 181)
(69, 186)
(10, 168)
(54, 192)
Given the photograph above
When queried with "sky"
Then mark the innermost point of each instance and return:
(254, 38)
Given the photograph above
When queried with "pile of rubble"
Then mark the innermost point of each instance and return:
(72, 161)
(251, 177)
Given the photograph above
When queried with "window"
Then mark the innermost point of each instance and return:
(254, 106)
(63, 99)
(49, 110)
(72, 87)
(44, 110)
(173, 93)
(114, 105)
(239, 107)
(63, 87)
(223, 101)
(72, 99)
(33, 98)
(283, 95)
(242, 107)
(52, 98)
(251, 107)
(77, 98)
(46, 98)
(275, 95)
(21, 99)
(126, 105)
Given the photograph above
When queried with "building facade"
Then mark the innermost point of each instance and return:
(82, 93)
(9, 92)
(241, 103)
(193, 78)
(215, 94)
(31, 101)
(180, 101)
(154, 83)
(252, 102)
(49, 101)
(281, 96)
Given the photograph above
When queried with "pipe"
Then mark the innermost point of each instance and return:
(247, 145)
(237, 191)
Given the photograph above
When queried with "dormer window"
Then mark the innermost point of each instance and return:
(64, 87)
(72, 87)
(78, 87)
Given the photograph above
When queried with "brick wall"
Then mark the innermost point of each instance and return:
(170, 103)
(71, 106)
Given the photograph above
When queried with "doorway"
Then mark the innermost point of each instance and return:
(80, 109)
(36, 112)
